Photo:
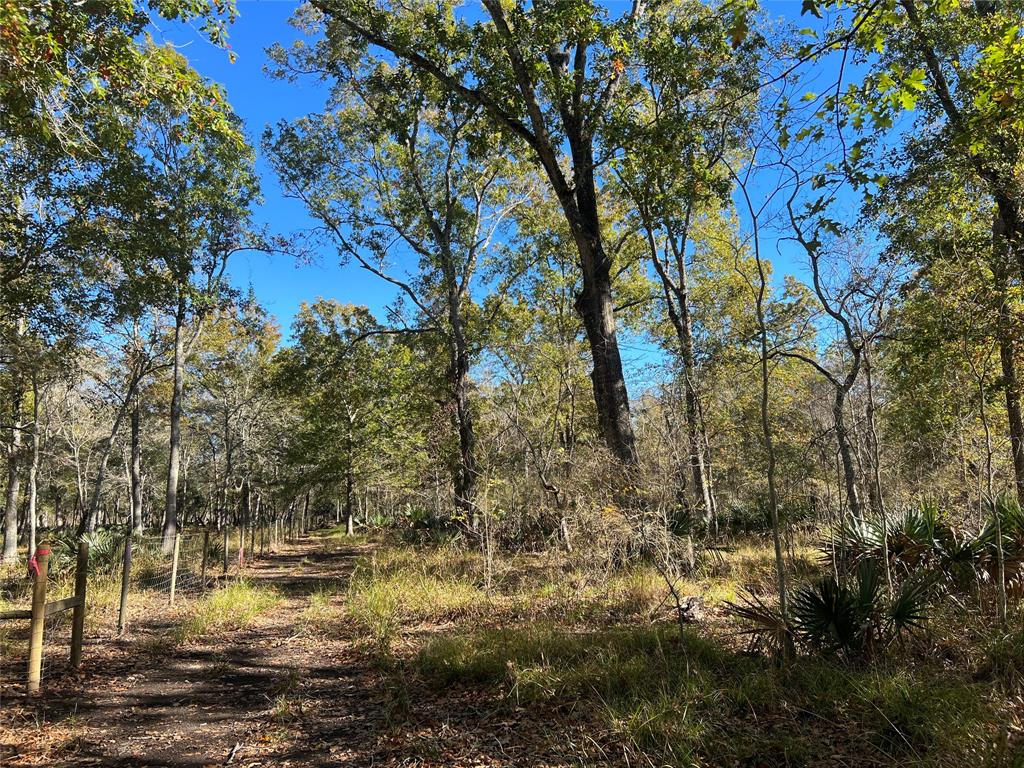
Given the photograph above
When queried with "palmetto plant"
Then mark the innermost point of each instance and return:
(924, 539)
(920, 537)
(850, 617)
(104, 551)
(1005, 517)
(853, 617)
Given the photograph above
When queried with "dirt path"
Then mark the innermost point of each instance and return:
(279, 693)
(140, 702)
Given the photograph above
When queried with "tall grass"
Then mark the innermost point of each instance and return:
(234, 606)
(389, 590)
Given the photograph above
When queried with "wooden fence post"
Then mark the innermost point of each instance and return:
(38, 622)
(174, 564)
(126, 571)
(206, 556)
(78, 614)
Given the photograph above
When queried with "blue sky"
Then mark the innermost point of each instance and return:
(278, 281)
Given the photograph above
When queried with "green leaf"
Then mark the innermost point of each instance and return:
(811, 7)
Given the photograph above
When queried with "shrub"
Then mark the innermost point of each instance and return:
(850, 617)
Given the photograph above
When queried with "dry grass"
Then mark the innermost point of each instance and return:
(549, 633)
(233, 606)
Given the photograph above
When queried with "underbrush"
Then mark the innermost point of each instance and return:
(685, 699)
(1003, 660)
(400, 586)
(599, 644)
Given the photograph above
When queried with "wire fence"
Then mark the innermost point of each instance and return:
(157, 568)
(57, 634)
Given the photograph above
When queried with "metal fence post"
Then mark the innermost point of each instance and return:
(126, 571)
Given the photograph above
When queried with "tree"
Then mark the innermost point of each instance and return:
(48, 292)
(685, 114)
(547, 77)
(58, 60)
(960, 70)
(184, 195)
(351, 383)
(400, 172)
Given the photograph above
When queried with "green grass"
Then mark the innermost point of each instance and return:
(686, 699)
(391, 590)
(338, 535)
(1004, 658)
(233, 606)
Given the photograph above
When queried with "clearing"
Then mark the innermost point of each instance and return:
(336, 651)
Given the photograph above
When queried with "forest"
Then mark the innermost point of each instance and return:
(680, 424)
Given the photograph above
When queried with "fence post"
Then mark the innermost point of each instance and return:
(241, 547)
(126, 571)
(78, 614)
(174, 564)
(35, 644)
(227, 543)
(206, 556)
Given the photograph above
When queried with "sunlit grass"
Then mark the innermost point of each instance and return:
(662, 693)
(392, 589)
(233, 606)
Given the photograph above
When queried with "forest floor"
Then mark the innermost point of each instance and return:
(342, 652)
(274, 693)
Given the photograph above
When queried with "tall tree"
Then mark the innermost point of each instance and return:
(960, 68)
(403, 172)
(185, 194)
(546, 75)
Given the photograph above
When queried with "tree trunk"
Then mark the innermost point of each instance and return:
(88, 524)
(170, 526)
(244, 511)
(769, 446)
(596, 308)
(33, 470)
(349, 526)
(136, 470)
(1011, 385)
(466, 472)
(846, 454)
(10, 554)
(876, 465)
(677, 302)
